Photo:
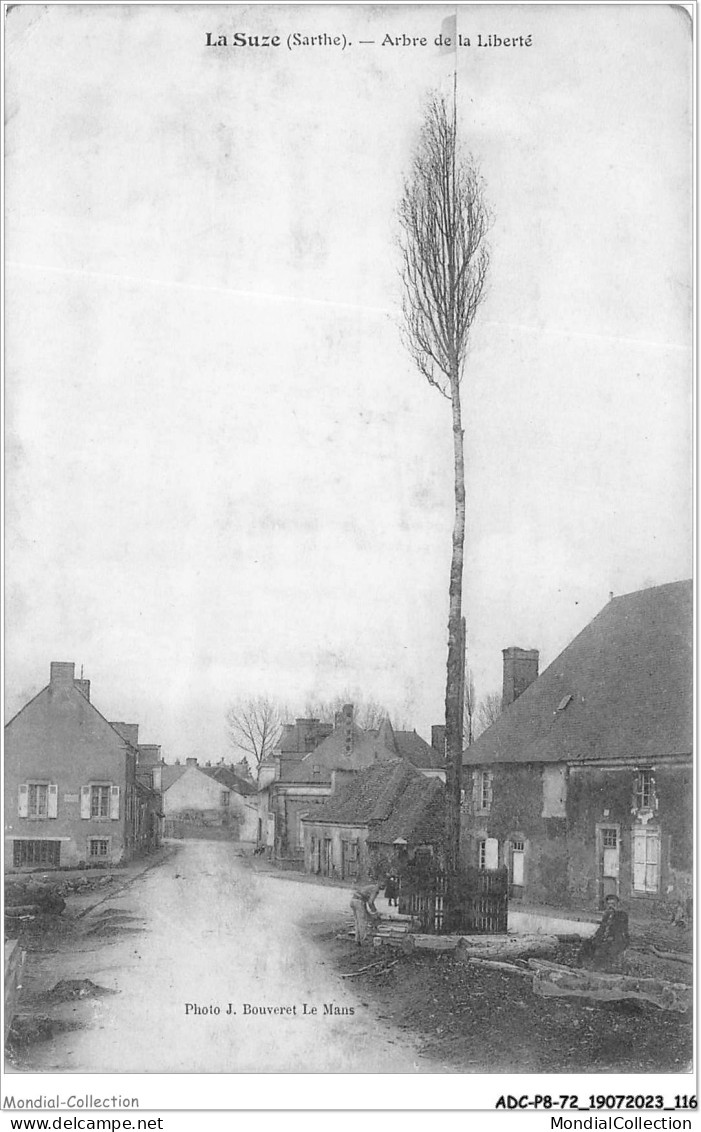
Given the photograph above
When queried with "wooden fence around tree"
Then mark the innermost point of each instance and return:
(471, 901)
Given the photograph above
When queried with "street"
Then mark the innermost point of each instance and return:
(212, 973)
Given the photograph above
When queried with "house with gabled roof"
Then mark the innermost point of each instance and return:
(73, 789)
(584, 785)
(372, 820)
(306, 781)
(199, 800)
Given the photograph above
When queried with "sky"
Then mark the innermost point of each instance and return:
(224, 476)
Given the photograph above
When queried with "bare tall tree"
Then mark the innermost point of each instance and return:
(367, 714)
(254, 727)
(444, 225)
(469, 708)
(488, 711)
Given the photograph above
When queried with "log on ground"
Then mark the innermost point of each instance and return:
(552, 980)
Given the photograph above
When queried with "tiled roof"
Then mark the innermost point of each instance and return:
(171, 774)
(229, 778)
(369, 748)
(392, 799)
(621, 690)
(412, 747)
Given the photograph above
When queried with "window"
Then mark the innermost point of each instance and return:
(644, 790)
(36, 853)
(483, 790)
(38, 800)
(99, 801)
(518, 855)
(488, 853)
(99, 847)
(224, 799)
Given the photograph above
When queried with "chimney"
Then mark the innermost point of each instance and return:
(348, 728)
(149, 755)
(190, 762)
(61, 672)
(84, 687)
(438, 738)
(520, 670)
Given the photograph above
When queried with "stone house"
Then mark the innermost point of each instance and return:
(584, 785)
(304, 780)
(201, 799)
(373, 820)
(73, 791)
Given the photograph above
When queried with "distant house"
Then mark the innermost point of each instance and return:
(74, 788)
(584, 785)
(373, 820)
(304, 781)
(200, 798)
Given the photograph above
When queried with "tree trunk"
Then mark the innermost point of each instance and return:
(453, 696)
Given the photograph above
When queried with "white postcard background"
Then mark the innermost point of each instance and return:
(223, 472)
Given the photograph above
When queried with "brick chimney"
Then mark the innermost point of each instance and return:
(438, 738)
(84, 687)
(344, 722)
(61, 672)
(520, 670)
(149, 754)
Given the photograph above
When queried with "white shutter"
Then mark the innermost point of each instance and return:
(23, 800)
(652, 868)
(491, 853)
(639, 859)
(517, 867)
(114, 802)
(85, 801)
(53, 802)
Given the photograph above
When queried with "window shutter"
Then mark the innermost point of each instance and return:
(23, 800)
(488, 790)
(85, 801)
(114, 802)
(475, 791)
(53, 801)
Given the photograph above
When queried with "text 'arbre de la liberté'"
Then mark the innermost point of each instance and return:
(299, 39)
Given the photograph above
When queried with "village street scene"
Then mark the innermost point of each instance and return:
(565, 814)
(349, 642)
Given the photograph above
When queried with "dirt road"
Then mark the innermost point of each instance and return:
(200, 934)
